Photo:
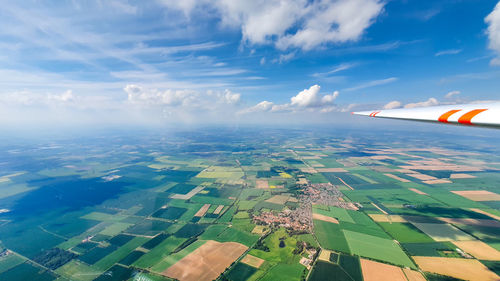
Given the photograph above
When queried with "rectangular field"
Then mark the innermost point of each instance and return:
(376, 248)
(479, 250)
(442, 232)
(201, 212)
(330, 236)
(194, 267)
(469, 269)
(376, 271)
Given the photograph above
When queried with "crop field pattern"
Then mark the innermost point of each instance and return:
(247, 204)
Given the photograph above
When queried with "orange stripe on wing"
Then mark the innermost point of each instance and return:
(444, 117)
(375, 114)
(467, 117)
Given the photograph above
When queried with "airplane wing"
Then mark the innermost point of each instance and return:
(480, 115)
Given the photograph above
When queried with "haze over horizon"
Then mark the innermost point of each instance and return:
(227, 61)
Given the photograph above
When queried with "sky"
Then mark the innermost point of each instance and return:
(226, 61)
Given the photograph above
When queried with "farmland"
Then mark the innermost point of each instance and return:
(299, 205)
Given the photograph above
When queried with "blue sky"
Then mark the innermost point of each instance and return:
(198, 61)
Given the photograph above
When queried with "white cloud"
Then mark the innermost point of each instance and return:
(228, 97)
(393, 105)
(292, 24)
(286, 57)
(332, 22)
(187, 99)
(452, 94)
(448, 52)
(429, 102)
(263, 106)
(373, 84)
(308, 99)
(493, 21)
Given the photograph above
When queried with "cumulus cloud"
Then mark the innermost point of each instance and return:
(393, 105)
(27, 98)
(451, 94)
(292, 24)
(138, 95)
(493, 31)
(429, 102)
(308, 99)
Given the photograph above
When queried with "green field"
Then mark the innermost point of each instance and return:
(76, 270)
(284, 272)
(236, 235)
(405, 232)
(351, 265)
(120, 207)
(170, 260)
(26, 271)
(9, 262)
(328, 271)
(240, 272)
(339, 213)
(330, 236)
(159, 252)
(120, 253)
(276, 253)
(377, 248)
(433, 249)
(443, 232)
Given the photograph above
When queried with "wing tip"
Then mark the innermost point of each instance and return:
(362, 113)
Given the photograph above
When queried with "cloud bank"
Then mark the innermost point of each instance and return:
(493, 32)
(299, 24)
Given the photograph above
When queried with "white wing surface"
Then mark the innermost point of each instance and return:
(481, 115)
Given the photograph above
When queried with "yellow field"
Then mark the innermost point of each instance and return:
(461, 176)
(387, 218)
(376, 271)
(332, 170)
(259, 229)
(485, 213)
(325, 218)
(413, 275)
(324, 255)
(309, 170)
(302, 181)
(478, 195)
(252, 261)
(397, 178)
(422, 177)
(417, 191)
(438, 181)
(207, 262)
(285, 175)
(219, 209)
(278, 199)
(467, 269)
(201, 212)
(479, 250)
